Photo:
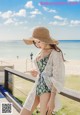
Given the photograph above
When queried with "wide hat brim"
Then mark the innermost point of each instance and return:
(47, 41)
(42, 34)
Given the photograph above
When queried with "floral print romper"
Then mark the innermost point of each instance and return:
(41, 85)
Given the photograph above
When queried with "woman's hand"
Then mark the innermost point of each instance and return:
(34, 73)
(50, 106)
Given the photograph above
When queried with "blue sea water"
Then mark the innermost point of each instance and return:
(12, 49)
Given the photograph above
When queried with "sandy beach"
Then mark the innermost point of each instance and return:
(71, 66)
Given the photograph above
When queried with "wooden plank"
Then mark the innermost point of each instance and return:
(11, 99)
(72, 94)
(4, 66)
(26, 76)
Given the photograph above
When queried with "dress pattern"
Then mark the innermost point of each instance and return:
(41, 85)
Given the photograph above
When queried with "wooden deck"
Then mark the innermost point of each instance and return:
(71, 94)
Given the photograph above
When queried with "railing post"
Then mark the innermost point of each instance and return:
(6, 80)
(7, 84)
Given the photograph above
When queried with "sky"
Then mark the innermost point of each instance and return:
(18, 18)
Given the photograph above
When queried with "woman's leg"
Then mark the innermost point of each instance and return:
(44, 98)
(24, 111)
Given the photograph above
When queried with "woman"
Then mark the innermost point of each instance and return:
(49, 73)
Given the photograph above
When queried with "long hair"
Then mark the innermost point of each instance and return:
(53, 46)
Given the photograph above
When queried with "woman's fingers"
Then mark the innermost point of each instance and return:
(34, 73)
(49, 112)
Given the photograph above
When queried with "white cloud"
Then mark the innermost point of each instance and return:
(66, 22)
(6, 15)
(14, 21)
(74, 22)
(53, 23)
(29, 4)
(49, 10)
(32, 16)
(21, 12)
(54, 11)
(45, 8)
(8, 21)
(11, 17)
(57, 23)
(59, 17)
(10, 14)
(35, 12)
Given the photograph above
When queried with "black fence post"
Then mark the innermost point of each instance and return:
(6, 79)
(7, 82)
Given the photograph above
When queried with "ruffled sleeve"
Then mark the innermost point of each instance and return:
(58, 71)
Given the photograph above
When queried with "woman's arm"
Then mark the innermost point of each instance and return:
(51, 103)
(53, 93)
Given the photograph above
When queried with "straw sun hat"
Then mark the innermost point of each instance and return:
(42, 34)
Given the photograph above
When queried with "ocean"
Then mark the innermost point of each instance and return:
(17, 48)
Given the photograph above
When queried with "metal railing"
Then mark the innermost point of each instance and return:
(69, 93)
